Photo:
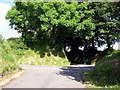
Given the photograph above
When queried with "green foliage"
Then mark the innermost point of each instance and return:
(109, 54)
(106, 19)
(1, 42)
(1, 39)
(8, 64)
(17, 46)
(45, 56)
(14, 52)
(36, 58)
(106, 72)
(51, 23)
(48, 24)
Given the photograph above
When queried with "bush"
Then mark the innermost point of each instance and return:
(8, 63)
(106, 72)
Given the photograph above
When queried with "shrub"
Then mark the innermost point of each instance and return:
(106, 72)
(8, 64)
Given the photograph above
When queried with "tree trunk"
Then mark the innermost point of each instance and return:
(108, 42)
(93, 43)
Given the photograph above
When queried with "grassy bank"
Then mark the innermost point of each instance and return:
(14, 52)
(33, 58)
(8, 65)
(106, 73)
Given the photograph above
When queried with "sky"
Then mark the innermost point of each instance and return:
(5, 29)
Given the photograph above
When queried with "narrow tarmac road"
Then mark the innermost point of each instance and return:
(50, 77)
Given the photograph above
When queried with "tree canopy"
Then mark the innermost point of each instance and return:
(51, 23)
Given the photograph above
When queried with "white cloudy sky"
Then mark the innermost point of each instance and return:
(5, 29)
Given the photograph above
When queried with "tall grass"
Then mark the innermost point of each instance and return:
(8, 64)
(14, 52)
(32, 57)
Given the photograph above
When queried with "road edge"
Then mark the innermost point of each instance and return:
(14, 76)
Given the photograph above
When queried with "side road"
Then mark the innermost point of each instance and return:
(50, 77)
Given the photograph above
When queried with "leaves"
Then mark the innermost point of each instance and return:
(50, 20)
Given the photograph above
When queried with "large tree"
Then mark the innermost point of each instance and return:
(52, 23)
(107, 19)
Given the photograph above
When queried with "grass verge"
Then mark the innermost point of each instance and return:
(106, 73)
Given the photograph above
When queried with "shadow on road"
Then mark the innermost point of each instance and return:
(75, 72)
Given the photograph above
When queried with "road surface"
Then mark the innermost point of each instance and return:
(50, 77)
